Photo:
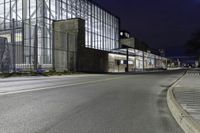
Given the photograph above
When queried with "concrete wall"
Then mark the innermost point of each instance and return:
(91, 60)
(68, 36)
(70, 52)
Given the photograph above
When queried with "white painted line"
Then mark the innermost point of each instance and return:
(58, 86)
(50, 77)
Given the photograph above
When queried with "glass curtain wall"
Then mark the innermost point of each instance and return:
(32, 21)
(101, 27)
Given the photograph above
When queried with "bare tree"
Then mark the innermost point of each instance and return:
(193, 45)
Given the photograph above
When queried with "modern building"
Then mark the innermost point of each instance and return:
(29, 24)
(72, 35)
(141, 56)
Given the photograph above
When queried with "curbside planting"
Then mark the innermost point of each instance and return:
(186, 122)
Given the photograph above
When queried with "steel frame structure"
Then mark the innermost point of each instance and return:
(32, 24)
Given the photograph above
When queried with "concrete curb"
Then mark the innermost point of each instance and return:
(186, 122)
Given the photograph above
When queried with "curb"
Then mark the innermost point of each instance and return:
(185, 121)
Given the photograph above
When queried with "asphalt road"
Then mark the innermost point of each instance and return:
(117, 103)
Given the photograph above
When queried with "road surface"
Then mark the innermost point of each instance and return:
(118, 103)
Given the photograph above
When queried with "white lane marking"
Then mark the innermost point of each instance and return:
(16, 79)
(58, 86)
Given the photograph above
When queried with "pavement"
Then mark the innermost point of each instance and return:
(98, 103)
(187, 94)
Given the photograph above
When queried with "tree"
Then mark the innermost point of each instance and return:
(193, 45)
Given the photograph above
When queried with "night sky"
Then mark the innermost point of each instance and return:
(164, 24)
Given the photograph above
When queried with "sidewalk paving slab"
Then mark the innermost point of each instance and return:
(187, 94)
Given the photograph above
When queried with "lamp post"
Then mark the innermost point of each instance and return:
(127, 59)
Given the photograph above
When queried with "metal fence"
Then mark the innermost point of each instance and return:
(23, 48)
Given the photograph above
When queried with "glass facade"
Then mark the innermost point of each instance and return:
(141, 59)
(32, 23)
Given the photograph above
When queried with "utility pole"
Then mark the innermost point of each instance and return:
(127, 59)
(143, 61)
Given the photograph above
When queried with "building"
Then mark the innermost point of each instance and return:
(28, 24)
(71, 35)
(141, 56)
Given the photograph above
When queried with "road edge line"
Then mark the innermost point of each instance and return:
(185, 121)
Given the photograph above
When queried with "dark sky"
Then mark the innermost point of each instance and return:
(164, 24)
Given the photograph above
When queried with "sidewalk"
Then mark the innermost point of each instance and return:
(187, 93)
(184, 101)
